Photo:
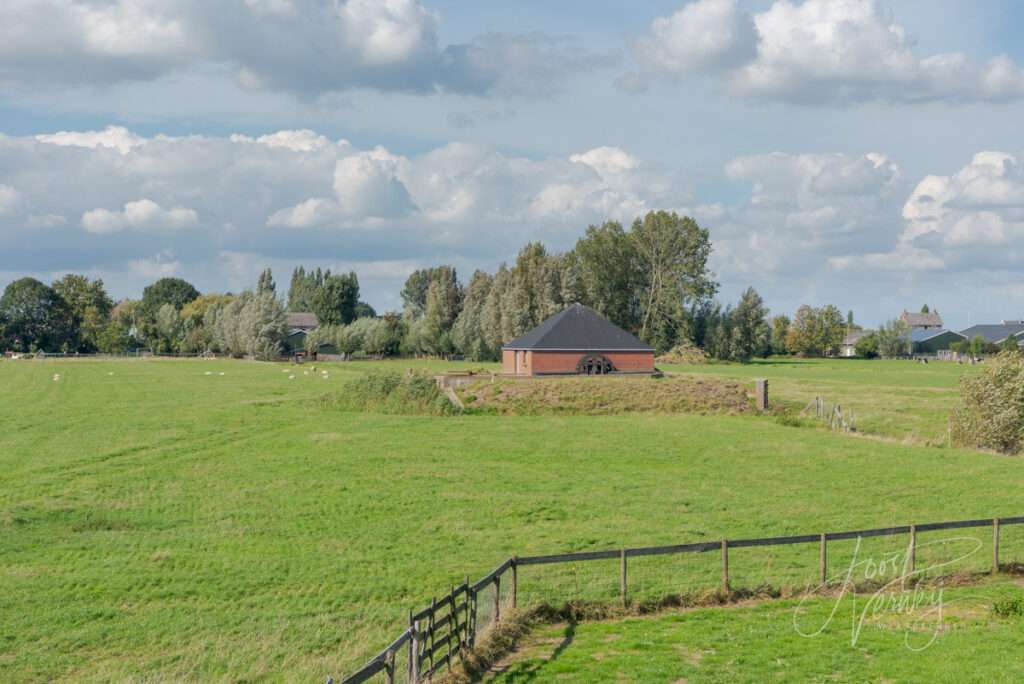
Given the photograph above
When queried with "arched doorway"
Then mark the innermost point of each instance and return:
(595, 364)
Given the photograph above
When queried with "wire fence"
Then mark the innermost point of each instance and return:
(441, 633)
(134, 354)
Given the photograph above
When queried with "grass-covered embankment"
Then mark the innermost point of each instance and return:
(628, 394)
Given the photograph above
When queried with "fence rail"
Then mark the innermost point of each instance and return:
(442, 631)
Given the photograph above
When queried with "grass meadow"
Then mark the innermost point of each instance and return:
(214, 521)
(824, 640)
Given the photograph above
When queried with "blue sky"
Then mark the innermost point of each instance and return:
(855, 152)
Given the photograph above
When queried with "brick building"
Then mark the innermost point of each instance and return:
(577, 341)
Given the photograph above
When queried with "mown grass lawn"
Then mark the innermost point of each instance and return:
(160, 521)
(953, 638)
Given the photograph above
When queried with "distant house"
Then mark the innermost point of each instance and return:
(996, 333)
(299, 325)
(302, 320)
(577, 341)
(929, 341)
(848, 347)
(923, 321)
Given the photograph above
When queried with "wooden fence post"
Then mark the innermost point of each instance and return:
(725, 566)
(472, 619)
(414, 651)
(762, 394)
(823, 560)
(912, 552)
(995, 546)
(430, 628)
(497, 599)
(467, 633)
(515, 581)
(389, 667)
(453, 626)
(622, 576)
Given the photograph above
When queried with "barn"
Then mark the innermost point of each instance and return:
(577, 341)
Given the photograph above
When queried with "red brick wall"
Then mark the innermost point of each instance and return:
(541, 362)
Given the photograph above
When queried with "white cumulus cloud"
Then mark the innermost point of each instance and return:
(703, 35)
(143, 214)
(817, 52)
(306, 47)
(114, 137)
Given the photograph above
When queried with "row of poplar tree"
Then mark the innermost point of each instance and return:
(651, 278)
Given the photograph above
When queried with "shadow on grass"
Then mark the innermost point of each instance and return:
(528, 671)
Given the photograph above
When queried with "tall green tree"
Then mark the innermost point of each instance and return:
(780, 329)
(432, 298)
(334, 301)
(894, 339)
(833, 329)
(265, 284)
(36, 317)
(90, 307)
(468, 333)
(751, 334)
(417, 285)
(672, 255)
(609, 272)
(805, 332)
(302, 288)
(173, 291)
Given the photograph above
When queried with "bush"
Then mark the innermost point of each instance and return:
(867, 346)
(684, 353)
(1009, 607)
(394, 392)
(991, 414)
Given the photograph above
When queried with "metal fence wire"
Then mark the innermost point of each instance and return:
(438, 635)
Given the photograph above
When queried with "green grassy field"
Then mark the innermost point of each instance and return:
(904, 400)
(160, 521)
(955, 639)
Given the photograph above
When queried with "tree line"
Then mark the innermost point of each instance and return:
(75, 314)
(651, 277)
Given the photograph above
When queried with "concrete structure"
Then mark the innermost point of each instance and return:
(577, 341)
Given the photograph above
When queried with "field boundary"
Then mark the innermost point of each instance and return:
(448, 628)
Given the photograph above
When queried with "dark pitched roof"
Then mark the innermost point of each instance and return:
(578, 328)
(302, 321)
(993, 333)
(923, 334)
(931, 319)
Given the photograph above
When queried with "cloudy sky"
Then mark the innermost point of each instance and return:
(857, 152)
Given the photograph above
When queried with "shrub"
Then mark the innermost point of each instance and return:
(394, 392)
(991, 414)
(1009, 607)
(684, 353)
(867, 346)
